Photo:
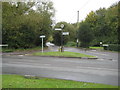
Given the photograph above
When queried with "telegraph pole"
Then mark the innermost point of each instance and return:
(77, 27)
(77, 17)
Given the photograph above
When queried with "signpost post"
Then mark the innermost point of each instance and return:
(62, 33)
(61, 29)
(43, 36)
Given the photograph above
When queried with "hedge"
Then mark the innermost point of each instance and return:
(70, 44)
(113, 47)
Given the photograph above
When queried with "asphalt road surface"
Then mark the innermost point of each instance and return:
(102, 55)
(102, 70)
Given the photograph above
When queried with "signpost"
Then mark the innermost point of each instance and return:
(77, 42)
(62, 33)
(65, 33)
(4, 45)
(58, 29)
(100, 44)
(43, 36)
(61, 29)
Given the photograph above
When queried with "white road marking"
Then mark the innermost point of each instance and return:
(100, 59)
(115, 60)
(99, 53)
(47, 64)
(98, 68)
(21, 55)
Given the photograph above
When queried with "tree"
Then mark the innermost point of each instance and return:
(12, 18)
(22, 25)
(111, 18)
(85, 35)
(104, 24)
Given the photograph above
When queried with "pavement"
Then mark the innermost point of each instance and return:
(102, 70)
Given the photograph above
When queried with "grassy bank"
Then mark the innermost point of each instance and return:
(20, 49)
(64, 54)
(16, 81)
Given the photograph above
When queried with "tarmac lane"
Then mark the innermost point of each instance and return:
(96, 71)
(100, 54)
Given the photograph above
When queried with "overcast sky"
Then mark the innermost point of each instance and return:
(66, 10)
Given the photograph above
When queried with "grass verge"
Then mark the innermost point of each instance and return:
(6, 50)
(16, 81)
(98, 48)
(64, 54)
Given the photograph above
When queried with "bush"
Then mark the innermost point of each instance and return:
(6, 50)
(70, 44)
(113, 47)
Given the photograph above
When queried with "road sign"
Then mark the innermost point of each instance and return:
(43, 36)
(4, 45)
(77, 40)
(105, 45)
(62, 25)
(58, 29)
(100, 42)
(65, 33)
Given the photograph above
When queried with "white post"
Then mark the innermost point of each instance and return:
(42, 45)
(43, 36)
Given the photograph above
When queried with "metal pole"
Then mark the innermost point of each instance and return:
(42, 45)
(77, 27)
(78, 17)
(62, 26)
(61, 41)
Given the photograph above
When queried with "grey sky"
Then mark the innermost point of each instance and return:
(66, 10)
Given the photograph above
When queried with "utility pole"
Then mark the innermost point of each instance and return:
(77, 17)
(77, 27)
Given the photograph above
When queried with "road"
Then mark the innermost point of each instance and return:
(102, 55)
(103, 70)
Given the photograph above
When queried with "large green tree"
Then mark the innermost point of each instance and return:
(22, 25)
(104, 24)
(85, 35)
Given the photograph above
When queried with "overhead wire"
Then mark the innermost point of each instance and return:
(85, 3)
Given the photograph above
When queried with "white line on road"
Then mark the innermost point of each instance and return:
(21, 55)
(47, 64)
(99, 53)
(98, 68)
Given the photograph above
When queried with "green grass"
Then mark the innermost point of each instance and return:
(19, 49)
(16, 81)
(64, 54)
(0, 49)
(100, 48)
